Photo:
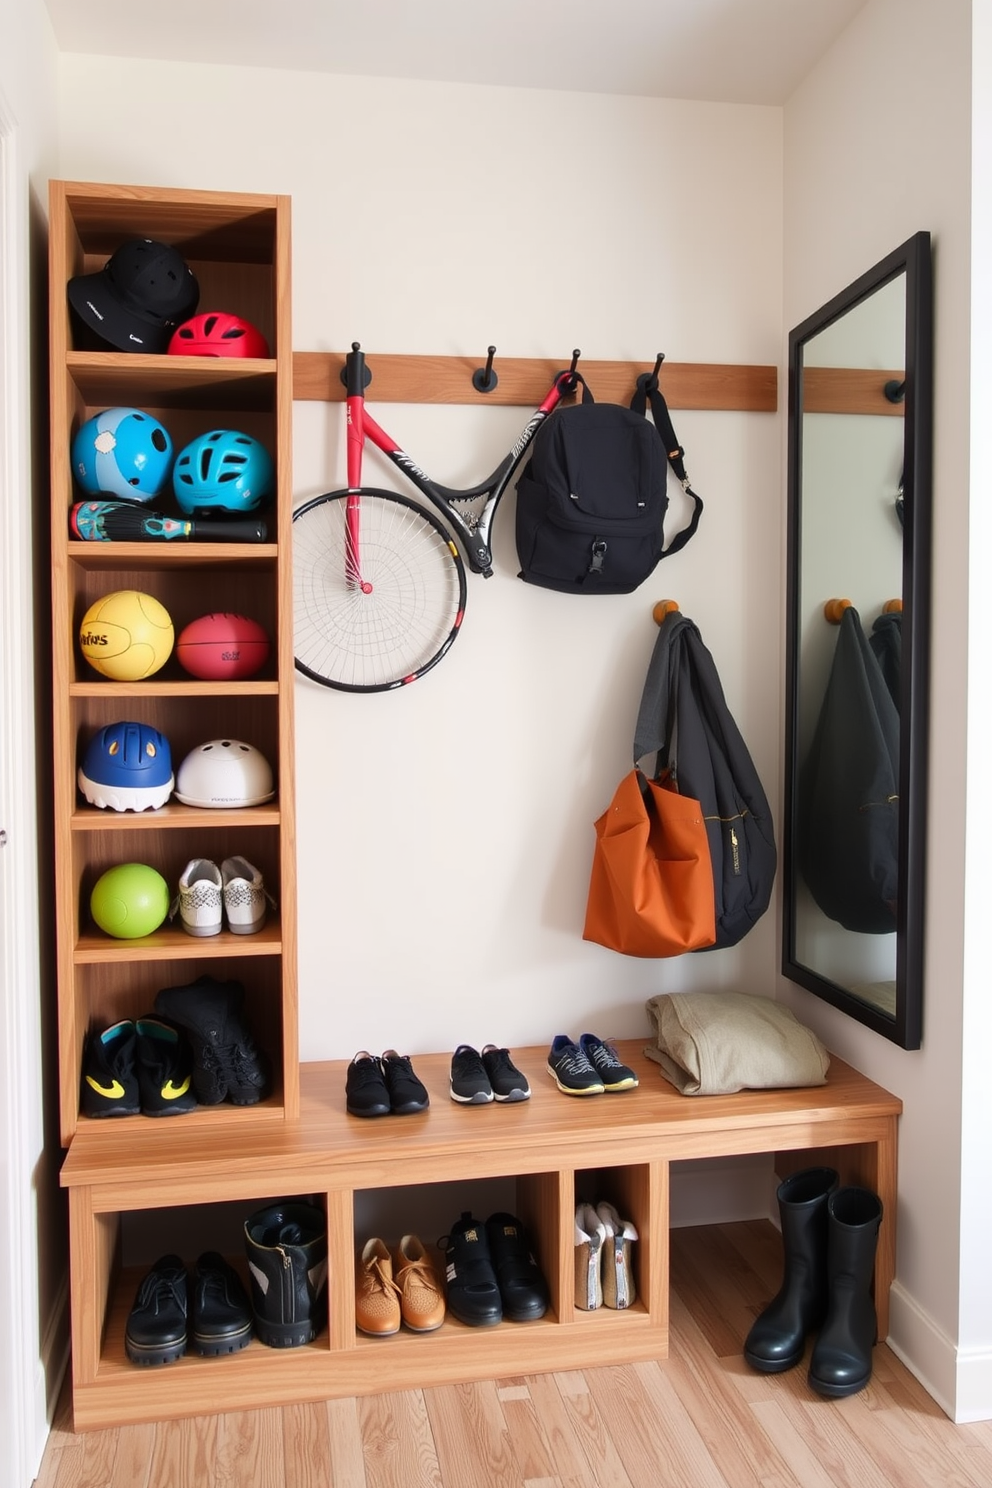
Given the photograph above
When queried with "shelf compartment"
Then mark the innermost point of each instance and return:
(170, 943)
(119, 379)
(172, 817)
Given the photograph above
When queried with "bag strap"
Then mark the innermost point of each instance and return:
(647, 388)
(577, 377)
(656, 730)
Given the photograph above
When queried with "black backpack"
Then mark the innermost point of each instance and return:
(591, 504)
(684, 719)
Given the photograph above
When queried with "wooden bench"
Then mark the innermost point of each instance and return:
(554, 1149)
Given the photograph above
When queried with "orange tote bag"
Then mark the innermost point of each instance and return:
(651, 889)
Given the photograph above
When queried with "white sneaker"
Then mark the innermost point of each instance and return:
(200, 898)
(245, 896)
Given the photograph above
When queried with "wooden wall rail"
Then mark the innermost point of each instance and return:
(850, 390)
(523, 381)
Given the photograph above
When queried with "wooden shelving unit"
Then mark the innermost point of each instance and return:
(552, 1149)
(238, 246)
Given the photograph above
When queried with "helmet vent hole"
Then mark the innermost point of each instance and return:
(209, 324)
(159, 440)
(232, 333)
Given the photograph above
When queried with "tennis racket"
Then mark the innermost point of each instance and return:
(125, 521)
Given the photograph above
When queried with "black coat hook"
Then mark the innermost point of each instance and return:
(653, 384)
(575, 362)
(484, 379)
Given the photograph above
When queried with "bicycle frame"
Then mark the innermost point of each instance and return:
(473, 537)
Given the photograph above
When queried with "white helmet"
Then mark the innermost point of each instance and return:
(224, 773)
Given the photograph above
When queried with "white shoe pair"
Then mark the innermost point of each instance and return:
(208, 893)
(604, 1273)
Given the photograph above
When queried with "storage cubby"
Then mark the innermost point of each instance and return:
(238, 247)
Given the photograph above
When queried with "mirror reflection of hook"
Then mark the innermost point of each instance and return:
(895, 391)
(484, 379)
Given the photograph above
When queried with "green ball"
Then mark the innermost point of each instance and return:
(130, 900)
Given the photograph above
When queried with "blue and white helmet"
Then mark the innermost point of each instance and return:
(222, 471)
(128, 767)
(124, 452)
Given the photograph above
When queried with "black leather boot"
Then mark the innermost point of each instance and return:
(287, 1259)
(778, 1336)
(841, 1360)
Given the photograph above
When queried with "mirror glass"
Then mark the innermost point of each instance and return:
(854, 846)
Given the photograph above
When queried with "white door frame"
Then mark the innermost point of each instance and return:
(23, 1404)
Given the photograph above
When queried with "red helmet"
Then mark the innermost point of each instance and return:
(216, 333)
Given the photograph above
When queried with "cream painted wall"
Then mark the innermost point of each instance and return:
(877, 146)
(445, 832)
(33, 1339)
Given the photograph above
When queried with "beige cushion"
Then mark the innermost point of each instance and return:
(713, 1043)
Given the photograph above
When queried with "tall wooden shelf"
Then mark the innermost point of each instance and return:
(238, 246)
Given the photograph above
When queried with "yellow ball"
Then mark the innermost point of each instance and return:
(126, 635)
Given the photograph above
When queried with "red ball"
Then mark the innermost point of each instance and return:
(222, 648)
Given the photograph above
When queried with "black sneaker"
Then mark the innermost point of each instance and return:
(165, 1068)
(156, 1325)
(365, 1089)
(605, 1061)
(472, 1292)
(507, 1081)
(469, 1084)
(570, 1067)
(226, 1063)
(220, 1314)
(406, 1094)
(109, 1086)
(521, 1286)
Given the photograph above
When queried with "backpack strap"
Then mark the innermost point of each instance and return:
(647, 388)
(657, 718)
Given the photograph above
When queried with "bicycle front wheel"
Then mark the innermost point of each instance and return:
(377, 612)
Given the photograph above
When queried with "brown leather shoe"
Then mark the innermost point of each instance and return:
(421, 1294)
(377, 1299)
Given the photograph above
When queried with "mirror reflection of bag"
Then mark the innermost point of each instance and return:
(699, 753)
(849, 791)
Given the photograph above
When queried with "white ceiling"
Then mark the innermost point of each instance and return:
(730, 51)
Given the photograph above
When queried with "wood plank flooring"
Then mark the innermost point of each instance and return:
(699, 1419)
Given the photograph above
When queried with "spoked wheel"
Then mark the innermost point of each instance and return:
(377, 620)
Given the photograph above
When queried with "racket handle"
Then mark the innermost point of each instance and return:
(242, 529)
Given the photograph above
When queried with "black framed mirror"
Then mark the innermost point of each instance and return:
(857, 645)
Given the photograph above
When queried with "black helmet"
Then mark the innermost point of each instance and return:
(139, 297)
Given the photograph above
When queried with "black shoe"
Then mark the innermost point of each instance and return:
(364, 1087)
(226, 1063)
(521, 1285)
(156, 1325)
(571, 1068)
(406, 1093)
(220, 1313)
(469, 1084)
(165, 1068)
(604, 1060)
(507, 1081)
(472, 1290)
(286, 1246)
(109, 1086)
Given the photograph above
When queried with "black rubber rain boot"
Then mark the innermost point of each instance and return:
(287, 1260)
(778, 1336)
(841, 1360)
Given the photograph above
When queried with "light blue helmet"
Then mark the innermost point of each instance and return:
(124, 452)
(223, 471)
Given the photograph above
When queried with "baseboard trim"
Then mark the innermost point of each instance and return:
(925, 1349)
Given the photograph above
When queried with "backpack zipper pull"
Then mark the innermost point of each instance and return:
(598, 554)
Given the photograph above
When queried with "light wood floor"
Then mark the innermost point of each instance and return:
(700, 1419)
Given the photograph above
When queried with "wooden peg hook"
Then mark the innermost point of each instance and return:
(664, 607)
(834, 609)
(892, 607)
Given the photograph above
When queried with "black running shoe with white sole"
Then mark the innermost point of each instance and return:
(604, 1059)
(508, 1083)
(469, 1084)
(570, 1068)
(407, 1094)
